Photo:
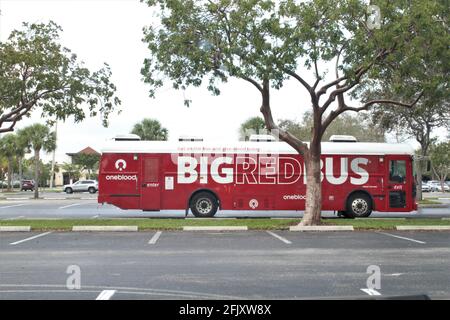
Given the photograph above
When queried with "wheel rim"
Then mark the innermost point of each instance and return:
(360, 206)
(204, 206)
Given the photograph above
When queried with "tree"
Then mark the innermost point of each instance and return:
(36, 72)
(38, 137)
(12, 147)
(431, 113)
(251, 126)
(346, 124)
(73, 170)
(265, 42)
(150, 129)
(87, 162)
(440, 160)
(8, 149)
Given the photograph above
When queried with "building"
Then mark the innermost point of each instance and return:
(62, 177)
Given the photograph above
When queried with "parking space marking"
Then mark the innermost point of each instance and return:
(279, 237)
(371, 292)
(403, 238)
(15, 205)
(71, 205)
(31, 238)
(155, 237)
(105, 295)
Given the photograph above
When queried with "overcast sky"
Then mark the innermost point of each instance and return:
(110, 31)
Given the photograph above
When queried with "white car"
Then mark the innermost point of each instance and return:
(90, 186)
(436, 186)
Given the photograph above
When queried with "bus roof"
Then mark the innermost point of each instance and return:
(243, 147)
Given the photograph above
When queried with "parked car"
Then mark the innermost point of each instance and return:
(436, 186)
(425, 187)
(82, 186)
(27, 185)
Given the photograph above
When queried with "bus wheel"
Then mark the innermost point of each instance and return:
(204, 204)
(359, 205)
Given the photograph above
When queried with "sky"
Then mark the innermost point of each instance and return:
(110, 31)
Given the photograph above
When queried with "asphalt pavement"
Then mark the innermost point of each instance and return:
(84, 205)
(221, 265)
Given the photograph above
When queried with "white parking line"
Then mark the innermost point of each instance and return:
(105, 295)
(279, 237)
(371, 292)
(71, 205)
(31, 238)
(155, 238)
(409, 239)
(15, 205)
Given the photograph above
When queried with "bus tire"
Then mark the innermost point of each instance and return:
(359, 205)
(204, 204)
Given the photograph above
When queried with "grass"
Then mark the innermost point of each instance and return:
(428, 201)
(385, 224)
(253, 224)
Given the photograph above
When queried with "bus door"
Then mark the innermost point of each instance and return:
(150, 184)
(399, 183)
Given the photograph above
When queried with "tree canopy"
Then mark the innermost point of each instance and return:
(347, 124)
(254, 125)
(37, 73)
(150, 129)
(87, 161)
(265, 42)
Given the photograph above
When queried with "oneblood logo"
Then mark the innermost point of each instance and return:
(267, 170)
(294, 197)
(121, 177)
(121, 164)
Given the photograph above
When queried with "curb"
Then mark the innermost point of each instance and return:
(216, 228)
(106, 228)
(433, 206)
(15, 229)
(321, 228)
(415, 228)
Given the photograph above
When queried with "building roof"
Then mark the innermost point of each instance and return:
(87, 150)
(341, 148)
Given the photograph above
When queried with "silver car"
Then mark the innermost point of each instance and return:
(90, 186)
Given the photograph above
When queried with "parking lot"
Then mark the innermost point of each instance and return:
(223, 265)
(213, 265)
(84, 205)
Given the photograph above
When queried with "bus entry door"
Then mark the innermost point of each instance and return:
(150, 185)
(398, 184)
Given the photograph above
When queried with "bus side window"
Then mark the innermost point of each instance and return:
(397, 171)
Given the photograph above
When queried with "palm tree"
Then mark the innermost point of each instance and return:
(10, 148)
(38, 137)
(150, 129)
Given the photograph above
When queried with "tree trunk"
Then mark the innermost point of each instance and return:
(418, 165)
(36, 174)
(20, 171)
(10, 167)
(313, 204)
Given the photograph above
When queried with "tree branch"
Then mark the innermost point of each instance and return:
(285, 136)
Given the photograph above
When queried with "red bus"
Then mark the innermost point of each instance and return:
(357, 178)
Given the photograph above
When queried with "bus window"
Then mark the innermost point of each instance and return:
(397, 171)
